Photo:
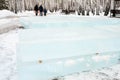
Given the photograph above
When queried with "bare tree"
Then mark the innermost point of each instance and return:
(3, 4)
(82, 6)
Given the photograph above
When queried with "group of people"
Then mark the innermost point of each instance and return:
(40, 10)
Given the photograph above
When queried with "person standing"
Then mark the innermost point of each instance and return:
(45, 11)
(36, 9)
(41, 10)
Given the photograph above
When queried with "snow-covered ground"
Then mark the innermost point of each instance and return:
(111, 73)
(8, 70)
(8, 55)
(6, 13)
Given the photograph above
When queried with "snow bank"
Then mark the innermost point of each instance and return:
(8, 24)
(26, 13)
(8, 55)
(112, 73)
(8, 21)
(6, 13)
(32, 13)
(4, 21)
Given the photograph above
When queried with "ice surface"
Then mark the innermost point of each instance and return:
(67, 21)
(62, 42)
(78, 40)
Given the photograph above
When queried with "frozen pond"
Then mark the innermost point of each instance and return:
(57, 46)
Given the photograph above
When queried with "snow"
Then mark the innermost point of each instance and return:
(101, 58)
(112, 73)
(4, 21)
(26, 13)
(8, 43)
(8, 55)
(6, 13)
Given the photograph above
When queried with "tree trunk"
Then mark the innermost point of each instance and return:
(107, 8)
(98, 7)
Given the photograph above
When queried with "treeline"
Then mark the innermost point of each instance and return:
(3, 4)
(81, 6)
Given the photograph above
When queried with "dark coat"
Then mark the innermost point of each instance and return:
(36, 8)
(41, 8)
(45, 10)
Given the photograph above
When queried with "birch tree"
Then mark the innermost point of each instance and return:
(81, 6)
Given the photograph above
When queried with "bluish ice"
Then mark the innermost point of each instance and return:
(58, 46)
(67, 21)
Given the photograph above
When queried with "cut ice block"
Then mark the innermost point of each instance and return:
(49, 58)
(83, 33)
(67, 21)
(51, 68)
(60, 49)
(65, 45)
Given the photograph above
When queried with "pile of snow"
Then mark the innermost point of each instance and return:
(57, 13)
(26, 13)
(8, 55)
(8, 24)
(6, 13)
(32, 13)
(4, 21)
(111, 73)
